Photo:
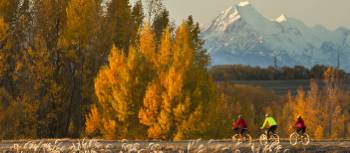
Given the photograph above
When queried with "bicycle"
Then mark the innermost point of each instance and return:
(273, 137)
(297, 137)
(242, 137)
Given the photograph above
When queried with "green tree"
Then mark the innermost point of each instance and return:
(8, 9)
(120, 23)
(160, 22)
(138, 17)
(80, 52)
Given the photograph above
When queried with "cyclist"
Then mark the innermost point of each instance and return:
(299, 125)
(271, 123)
(240, 125)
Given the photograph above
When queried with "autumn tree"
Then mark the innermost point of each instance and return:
(333, 118)
(174, 104)
(120, 89)
(4, 46)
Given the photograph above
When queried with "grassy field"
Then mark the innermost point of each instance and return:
(194, 146)
(281, 87)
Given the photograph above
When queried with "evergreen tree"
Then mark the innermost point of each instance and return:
(8, 9)
(137, 16)
(160, 22)
(120, 23)
(201, 54)
(78, 43)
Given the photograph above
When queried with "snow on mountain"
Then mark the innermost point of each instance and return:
(241, 35)
(281, 19)
(244, 3)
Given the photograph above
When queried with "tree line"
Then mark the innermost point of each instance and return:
(50, 54)
(246, 72)
(77, 68)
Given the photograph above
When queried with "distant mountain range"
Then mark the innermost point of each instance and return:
(241, 35)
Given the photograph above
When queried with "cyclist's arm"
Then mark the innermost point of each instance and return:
(234, 125)
(263, 126)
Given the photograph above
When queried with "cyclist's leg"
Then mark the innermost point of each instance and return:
(269, 131)
(236, 130)
(298, 130)
(244, 131)
(303, 130)
(274, 129)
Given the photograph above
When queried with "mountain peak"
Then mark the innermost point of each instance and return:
(242, 35)
(281, 18)
(243, 3)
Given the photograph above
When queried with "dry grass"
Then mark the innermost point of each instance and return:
(125, 146)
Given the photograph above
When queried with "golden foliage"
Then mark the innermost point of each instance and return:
(109, 129)
(319, 132)
(153, 88)
(93, 120)
(148, 44)
(3, 36)
(322, 110)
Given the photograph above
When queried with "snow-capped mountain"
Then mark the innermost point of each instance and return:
(241, 35)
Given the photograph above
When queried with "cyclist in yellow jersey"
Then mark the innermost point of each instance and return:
(269, 123)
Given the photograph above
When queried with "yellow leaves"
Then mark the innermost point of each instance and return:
(3, 29)
(3, 36)
(300, 102)
(80, 32)
(321, 107)
(154, 131)
(194, 126)
(165, 121)
(81, 17)
(183, 51)
(319, 132)
(150, 85)
(149, 113)
(172, 80)
(109, 129)
(165, 51)
(182, 109)
(93, 121)
(117, 86)
(148, 43)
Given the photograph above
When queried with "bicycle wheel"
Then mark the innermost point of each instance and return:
(236, 138)
(274, 138)
(293, 138)
(305, 139)
(247, 139)
(263, 139)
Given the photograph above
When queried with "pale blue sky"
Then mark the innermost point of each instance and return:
(329, 13)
